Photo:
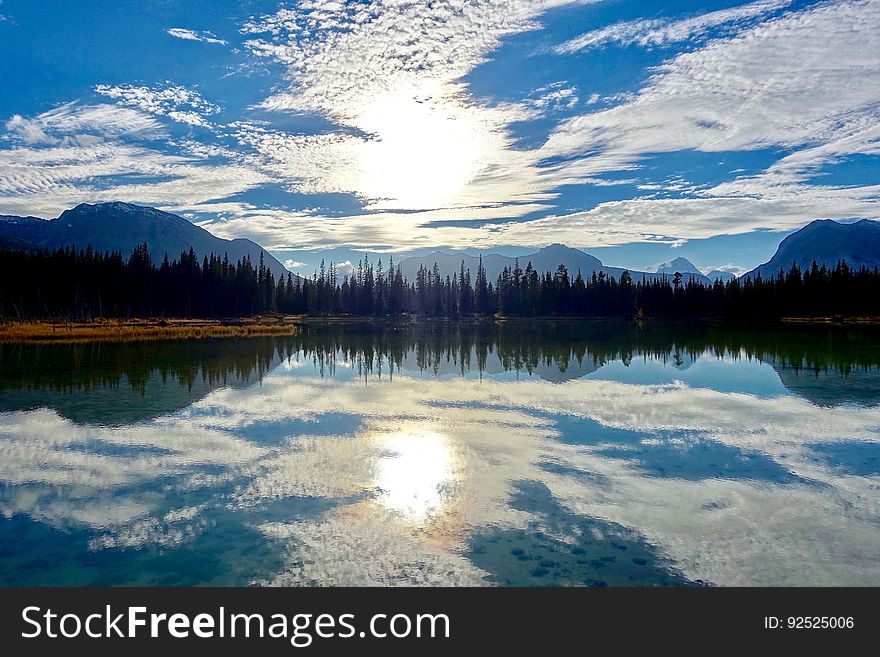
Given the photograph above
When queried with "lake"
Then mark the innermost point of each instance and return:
(513, 454)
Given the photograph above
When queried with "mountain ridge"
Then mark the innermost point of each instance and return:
(545, 259)
(825, 241)
(118, 226)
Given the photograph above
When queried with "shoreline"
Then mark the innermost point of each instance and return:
(145, 330)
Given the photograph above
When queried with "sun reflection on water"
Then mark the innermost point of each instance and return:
(415, 476)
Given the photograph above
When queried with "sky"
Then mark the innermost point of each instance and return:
(323, 129)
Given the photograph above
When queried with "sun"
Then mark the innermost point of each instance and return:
(420, 154)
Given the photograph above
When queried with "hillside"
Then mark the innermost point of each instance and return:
(121, 227)
(826, 241)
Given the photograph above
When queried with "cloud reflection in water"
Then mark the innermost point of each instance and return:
(432, 467)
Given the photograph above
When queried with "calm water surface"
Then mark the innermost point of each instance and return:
(585, 454)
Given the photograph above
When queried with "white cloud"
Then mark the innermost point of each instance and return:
(810, 84)
(380, 231)
(736, 270)
(789, 177)
(177, 103)
(557, 95)
(342, 268)
(408, 155)
(341, 56)
(807, 82)
(27, 130)
(192, 35)
(656, 32)
(75, 123)
(390, 74)
(670, 220)
(612, 223)
(787, 82)
(73, 153)
(788, 69)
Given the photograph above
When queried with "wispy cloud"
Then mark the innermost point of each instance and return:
(784, 84)
(106, 152)
(193, 35)
(656, 32)
(75, 123)
(612, 223)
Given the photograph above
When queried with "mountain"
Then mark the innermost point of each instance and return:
(22, 230)
(121, 227)
(682, 265)
(15, 244)
(686, 268)
(543, 260)
(825, 241)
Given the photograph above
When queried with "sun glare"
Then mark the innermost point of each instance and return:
(415, 475)
(421, 154)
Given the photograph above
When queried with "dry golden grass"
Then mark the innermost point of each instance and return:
(137, 330)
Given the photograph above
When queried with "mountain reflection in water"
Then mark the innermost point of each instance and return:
(513, 453)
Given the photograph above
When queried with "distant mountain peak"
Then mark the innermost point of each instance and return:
(545, 259)
(560, 249)
(116, 207)
(680, 265)
(108, 205)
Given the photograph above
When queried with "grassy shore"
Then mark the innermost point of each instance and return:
(114, 330)
(110, 330)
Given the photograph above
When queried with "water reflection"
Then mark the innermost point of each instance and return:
(583, 454)
(125, 383)
(413, 479)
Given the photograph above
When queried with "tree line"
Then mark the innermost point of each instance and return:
(561, 348)
(82, 284)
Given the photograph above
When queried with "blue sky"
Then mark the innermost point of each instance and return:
(323, 129)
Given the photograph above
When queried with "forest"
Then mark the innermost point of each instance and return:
(80, 285)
